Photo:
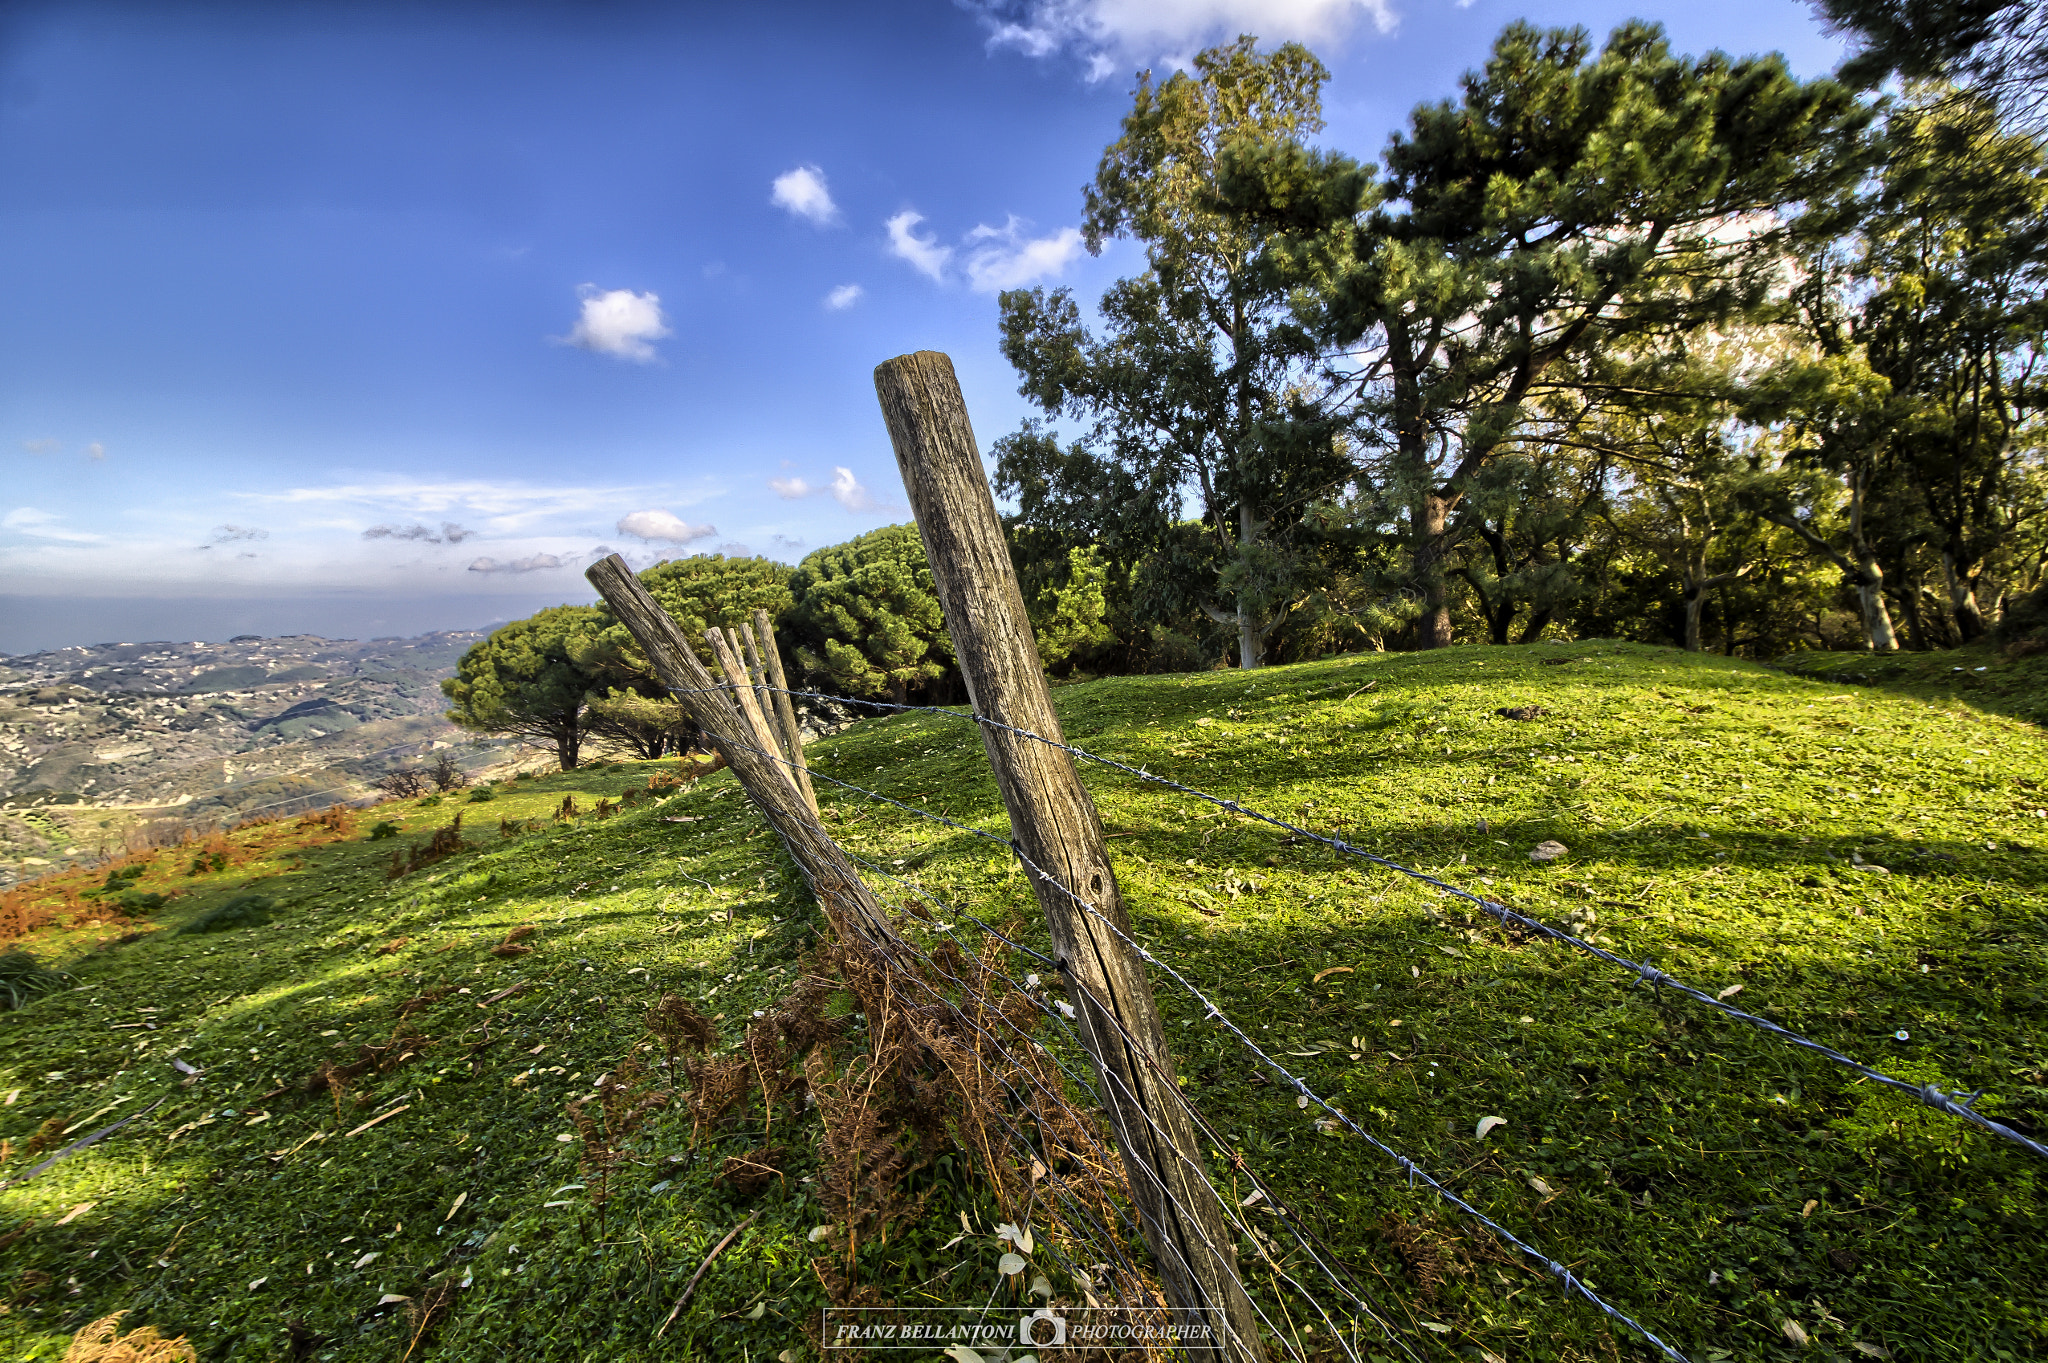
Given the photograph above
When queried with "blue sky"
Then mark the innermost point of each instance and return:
(365, 319)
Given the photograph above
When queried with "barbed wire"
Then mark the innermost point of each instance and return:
(1212, 1012)
(1928, 1094)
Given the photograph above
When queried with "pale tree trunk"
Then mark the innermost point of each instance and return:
(1251, 630)
(1432, 515)
(1877, 620)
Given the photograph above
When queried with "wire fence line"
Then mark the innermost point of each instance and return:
(1928, 1094)
(1233, 1209)
(1304, 1238)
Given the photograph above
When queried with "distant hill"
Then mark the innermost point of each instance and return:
(93, 739)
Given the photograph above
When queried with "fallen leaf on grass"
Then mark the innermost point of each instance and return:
(1333, 970)
(1807, 1210)
(1794, 1332)
(80, 1210)
(1729, 992)
(374, 1120)
(367, 1258)
(390, 1297)
(177, 1064)
(1540, 1186)
(1487, 1124)
(1010, 1265)
(1874, 1350)
(1547, 850)
(258, 1283)
(460, 1198)
(1432, 1325)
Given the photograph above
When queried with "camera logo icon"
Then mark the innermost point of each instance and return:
(1042, 1329)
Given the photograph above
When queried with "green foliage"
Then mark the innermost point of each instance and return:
(481, 795)
(1195, 388)
(866, 616)
(139, 902)
(382, 829)
(629, 708)
(243, 911)
(1572, 201)
(429, 802)
(23, 977)
(1070, 616)
(526, 679)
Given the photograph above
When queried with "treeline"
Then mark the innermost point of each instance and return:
(1617, 342)
(856, 619)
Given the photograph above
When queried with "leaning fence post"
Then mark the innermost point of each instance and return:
(1056, 826)
(838, 886)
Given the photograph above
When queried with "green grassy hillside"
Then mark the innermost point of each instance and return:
(1864, 865)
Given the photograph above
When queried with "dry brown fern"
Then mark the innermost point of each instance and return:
(102, 1342)
(679, 1027)
(623, 1104)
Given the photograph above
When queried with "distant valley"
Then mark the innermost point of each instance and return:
(96, 740)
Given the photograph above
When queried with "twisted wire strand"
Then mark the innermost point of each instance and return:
(1928, 1094)
(1302, 1235)
(1413, 1170)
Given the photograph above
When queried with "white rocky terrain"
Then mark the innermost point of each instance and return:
(95, 739)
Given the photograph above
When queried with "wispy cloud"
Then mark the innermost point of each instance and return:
(995, 258)
(232, 534)
(1004, 257)
(507, 505)
(1111, 35)
(925, 254)
(532, 564)
(844, 489)
(43, 525)
(843, 297)
(802, 191)
(660, 525)
(619, 322)
(45, 445)
(449, 533)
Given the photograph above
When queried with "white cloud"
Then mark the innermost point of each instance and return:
(1109, 35)
(27, 520)
(229, 534)
(731, 550)
(844, 489)
(996, 258)
(845, 296)
(660, 525)
(850, 494)
(42, 446)
(618, 322)
(802, 191)
(531, 564)
(924, 253)
(1004, 258)
(95, 450)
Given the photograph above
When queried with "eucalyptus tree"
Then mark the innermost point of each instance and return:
(1574, 200)
(1197, 396)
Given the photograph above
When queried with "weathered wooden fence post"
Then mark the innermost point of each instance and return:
(1056, 825)
(740, 733)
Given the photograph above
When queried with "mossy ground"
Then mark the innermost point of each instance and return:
(1862, 863)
